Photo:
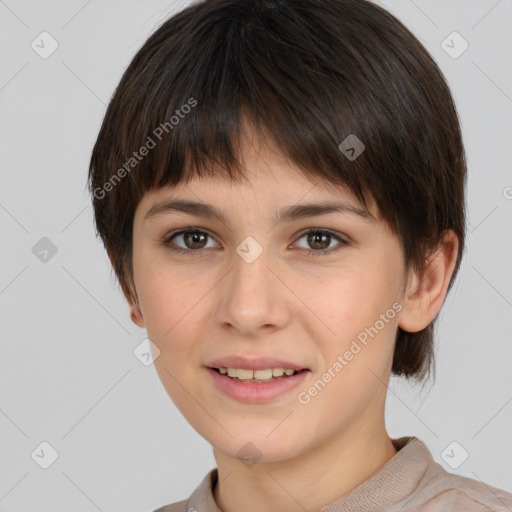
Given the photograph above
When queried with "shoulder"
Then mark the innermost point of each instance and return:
(448, 491)
(426, 486)
(202, 497)
(179, 506)
(473, 495)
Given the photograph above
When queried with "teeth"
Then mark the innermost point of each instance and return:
(267, 374)
(249, 374)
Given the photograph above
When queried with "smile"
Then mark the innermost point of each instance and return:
(254, 389)
(248, 375)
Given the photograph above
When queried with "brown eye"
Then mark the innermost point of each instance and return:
(190, 241)
(318, 242)
(194, 239)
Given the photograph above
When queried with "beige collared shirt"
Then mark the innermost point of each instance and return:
(410, 481)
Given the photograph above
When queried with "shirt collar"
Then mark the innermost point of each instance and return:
(398, 478)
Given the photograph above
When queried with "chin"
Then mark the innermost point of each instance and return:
(257, 446)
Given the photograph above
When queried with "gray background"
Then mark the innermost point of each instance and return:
(68, 375)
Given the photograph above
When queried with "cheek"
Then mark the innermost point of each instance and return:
(168, 294)
(346, 318)
(344, 300)
(171, 306)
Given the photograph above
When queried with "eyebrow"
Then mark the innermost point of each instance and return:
(286, 214)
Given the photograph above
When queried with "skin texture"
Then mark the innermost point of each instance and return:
(287, 303)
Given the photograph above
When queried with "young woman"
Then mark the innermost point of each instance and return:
(280, 188)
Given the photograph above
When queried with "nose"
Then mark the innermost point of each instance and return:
(251, 298)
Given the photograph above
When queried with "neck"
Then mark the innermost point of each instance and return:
(310, 480)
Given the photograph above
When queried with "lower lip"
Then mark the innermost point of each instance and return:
(256, 392)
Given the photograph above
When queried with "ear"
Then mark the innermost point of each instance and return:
(135, 311)
(131, 298)
(133, 303)
(425, 293)
(136, 314)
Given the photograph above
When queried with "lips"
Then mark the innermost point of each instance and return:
(254, 363)
(257, 392)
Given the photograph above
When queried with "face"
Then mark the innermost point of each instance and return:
(325, 302)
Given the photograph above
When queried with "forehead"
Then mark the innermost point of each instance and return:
(216, 199)
(269, 181)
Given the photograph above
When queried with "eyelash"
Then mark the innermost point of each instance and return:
(167, 241)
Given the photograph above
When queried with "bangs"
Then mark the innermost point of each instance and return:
(247, 76)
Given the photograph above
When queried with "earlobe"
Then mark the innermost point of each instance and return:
(130, 294)
(134, 305)
(136, 314)
(425, 293)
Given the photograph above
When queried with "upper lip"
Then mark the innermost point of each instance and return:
(255, 363)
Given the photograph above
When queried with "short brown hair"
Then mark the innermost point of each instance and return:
(306, 73)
